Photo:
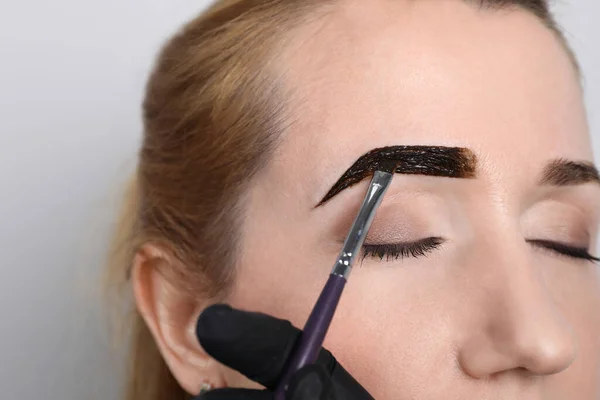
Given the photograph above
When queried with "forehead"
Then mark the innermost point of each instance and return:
(382, 73)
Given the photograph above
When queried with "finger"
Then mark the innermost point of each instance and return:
(258, 346)
(344, 384)
(255, 344)
(311, 383)
(235, 394)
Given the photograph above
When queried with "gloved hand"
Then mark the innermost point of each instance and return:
(258, 345)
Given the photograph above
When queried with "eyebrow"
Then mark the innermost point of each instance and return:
(563, 172)
(449, 162)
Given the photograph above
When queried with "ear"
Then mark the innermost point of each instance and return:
(171, 317)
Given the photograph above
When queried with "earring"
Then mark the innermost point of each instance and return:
(205, 387)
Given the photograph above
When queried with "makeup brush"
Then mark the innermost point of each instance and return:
(311, 339)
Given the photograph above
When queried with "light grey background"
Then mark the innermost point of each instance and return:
(71, 79)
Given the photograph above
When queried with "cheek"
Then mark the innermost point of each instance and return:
(273, 280)
(391, 330)
(584, 313)
(390, 327)
(576, 293)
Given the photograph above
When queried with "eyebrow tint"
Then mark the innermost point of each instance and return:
(451, 162)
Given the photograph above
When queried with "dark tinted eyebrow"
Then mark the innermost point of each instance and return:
(450, 162)
(563, 172)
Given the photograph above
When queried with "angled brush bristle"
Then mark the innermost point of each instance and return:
(387, 166)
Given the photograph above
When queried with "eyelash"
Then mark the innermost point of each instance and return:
(422, 247)
(395, 251)
(564, 249)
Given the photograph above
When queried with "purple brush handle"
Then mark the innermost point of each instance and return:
(313, 335)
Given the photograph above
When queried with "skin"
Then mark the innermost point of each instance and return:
(487, 315)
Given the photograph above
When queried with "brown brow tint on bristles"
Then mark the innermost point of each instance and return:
(451, 162)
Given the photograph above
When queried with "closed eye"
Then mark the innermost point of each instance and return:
(420, 248)
(394, 251)
(563, 249)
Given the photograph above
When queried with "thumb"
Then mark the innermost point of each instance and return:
(311, 383)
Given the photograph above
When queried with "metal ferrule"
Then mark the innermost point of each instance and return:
(356, 237)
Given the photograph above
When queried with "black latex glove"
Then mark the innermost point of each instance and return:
(258, 345)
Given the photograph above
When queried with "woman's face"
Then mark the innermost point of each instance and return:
(505, 307)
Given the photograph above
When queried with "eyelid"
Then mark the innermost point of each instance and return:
(560, 218)
(394, 230)
(399, 243)
(411, 210)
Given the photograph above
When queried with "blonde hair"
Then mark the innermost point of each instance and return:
(213, 112)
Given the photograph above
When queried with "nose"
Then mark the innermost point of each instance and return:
(517, 325)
